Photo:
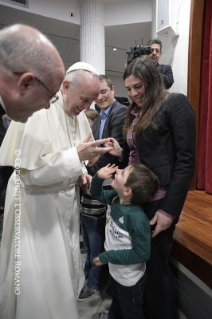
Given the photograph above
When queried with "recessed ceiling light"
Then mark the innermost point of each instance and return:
(114, 49)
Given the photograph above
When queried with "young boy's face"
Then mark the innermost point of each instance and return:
(120, 179)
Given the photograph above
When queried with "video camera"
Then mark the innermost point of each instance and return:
(137, 51)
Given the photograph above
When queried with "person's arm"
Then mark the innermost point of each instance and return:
(167, 75)
(113, 129)
(140, 253)
(63, 169)
(182, 125)
(97, 191)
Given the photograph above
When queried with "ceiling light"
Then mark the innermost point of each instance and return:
(114, 49)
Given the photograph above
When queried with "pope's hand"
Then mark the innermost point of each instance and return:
(85, 182)
(93, 161)
(87, 150)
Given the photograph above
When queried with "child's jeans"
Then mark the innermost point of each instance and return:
(93, 233)
(127, 301)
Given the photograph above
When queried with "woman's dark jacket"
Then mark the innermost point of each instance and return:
(169, 150)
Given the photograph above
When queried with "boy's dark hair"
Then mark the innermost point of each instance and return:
(143, 183)
(103, 77)
(155, 41)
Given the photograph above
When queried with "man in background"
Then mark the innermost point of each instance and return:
(31, 71)
(165, 70)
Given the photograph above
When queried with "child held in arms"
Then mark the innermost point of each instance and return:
(128, 235)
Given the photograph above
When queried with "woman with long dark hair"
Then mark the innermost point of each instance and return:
(159, 132)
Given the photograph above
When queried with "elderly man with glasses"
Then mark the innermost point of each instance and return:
(41, 272)
(31, 71)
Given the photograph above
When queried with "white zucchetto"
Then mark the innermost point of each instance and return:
(82, 66)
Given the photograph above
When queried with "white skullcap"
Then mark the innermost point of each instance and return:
(82, 66)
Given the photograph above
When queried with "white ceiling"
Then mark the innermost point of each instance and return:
(66, 35)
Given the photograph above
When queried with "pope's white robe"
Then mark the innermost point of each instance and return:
(44, 278)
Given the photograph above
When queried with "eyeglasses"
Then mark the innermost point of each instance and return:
(54, 97)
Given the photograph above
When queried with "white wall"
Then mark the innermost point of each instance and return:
(118, 83)
(119, 12)
(126, 12)
(175, 50)
(116, 12)
(56, 9)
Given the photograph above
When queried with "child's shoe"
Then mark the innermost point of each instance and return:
(87, 293)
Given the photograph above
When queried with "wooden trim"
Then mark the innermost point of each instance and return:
(193, 236)
(197, 265)
(194, 62)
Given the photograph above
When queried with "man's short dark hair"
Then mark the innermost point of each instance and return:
(103, 77)
(143, 183)
(155, 41)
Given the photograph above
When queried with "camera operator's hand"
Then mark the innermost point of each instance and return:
(87, 150)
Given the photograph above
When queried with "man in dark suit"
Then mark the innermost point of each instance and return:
(164, 69)
(108, 124)
(31, 71)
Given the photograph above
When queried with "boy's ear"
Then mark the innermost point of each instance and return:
(127, 192)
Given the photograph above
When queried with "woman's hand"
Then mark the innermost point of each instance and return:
(107, 171)
(117, 150)
(163, 223)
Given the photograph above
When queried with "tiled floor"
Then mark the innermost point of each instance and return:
(91, 308)
(100, 302)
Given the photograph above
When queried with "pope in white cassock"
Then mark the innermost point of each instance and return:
(41, 273)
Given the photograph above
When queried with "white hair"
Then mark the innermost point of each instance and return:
(75, 77)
